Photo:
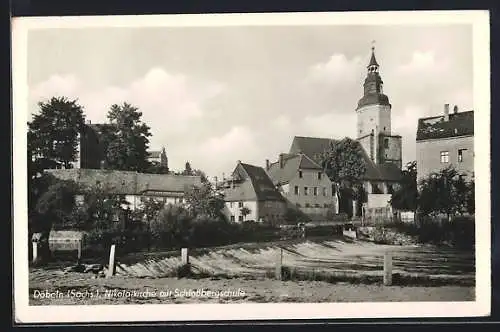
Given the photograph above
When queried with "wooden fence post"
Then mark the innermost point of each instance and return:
(185, 256)
(387, 269)
(35, 251)
(79, 250)
(279, 265)
(111, 266)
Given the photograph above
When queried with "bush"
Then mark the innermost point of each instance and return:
(382, 236)
(183, 271)
(459, 232)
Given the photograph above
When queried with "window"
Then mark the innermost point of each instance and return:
(333, 190)
(319, 175)
(296, 190)
(386, 143)
(461, 155)
(315, 191)
(390, 189)
(297, 205)
(326, 205)
(445, 157)
(308, 205)
(305, 191)
(231, 204)
(324, 191)
(376, 189)
(300, 174)
(240, 218)
(232, 218)
(240, 204)
(316, 205)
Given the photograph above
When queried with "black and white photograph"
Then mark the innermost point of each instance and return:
(251, 166)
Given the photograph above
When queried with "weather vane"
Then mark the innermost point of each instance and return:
(373, 45)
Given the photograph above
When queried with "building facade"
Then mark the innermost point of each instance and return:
(133, 186)
(303, 183)
(446, 141)
(158, 157)
(249, 194)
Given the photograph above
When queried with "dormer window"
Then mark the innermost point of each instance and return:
(300, 174)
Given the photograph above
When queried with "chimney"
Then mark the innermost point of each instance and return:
(281, 160)
(238, 162)
(267, 165)
(89, 122)
(455, 109)
(446, 112)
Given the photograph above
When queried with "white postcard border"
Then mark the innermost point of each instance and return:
(248, 311)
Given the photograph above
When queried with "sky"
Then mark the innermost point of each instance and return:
(216, 95)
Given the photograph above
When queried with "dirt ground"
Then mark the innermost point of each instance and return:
(76, 288)
(239, 273)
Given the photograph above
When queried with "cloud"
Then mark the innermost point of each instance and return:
(166, 100)
(330, 125)
(337, 70)
(421, 62)
(55, 86)
(335, 83)
(222, 152)
(212, 126)
(404, 123)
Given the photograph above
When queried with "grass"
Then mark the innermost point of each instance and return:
(294, 274)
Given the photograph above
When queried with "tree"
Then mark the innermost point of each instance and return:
(53, 133)
(245, 211)
(205, 201)
(201, 174)
(470, 198)
(157, 168)
(294, 216)
(149, 209)
(129, 141)
(53, 206)
(405, 198)
(172, 226)
(344, 164)
(444, 192)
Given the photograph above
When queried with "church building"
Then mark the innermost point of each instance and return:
(374, 120)
(381, 151)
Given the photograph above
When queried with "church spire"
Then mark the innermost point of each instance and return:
(373, 65)
(373, 86)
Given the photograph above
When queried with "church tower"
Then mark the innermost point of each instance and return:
(163, 158)
(374, 119)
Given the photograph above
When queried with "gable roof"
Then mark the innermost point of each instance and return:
(291, 164)
(458, 124)
(313, 147)
(166, 182)
(255, 185)
(126, 182)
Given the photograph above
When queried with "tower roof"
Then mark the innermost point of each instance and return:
(373, 94)
(373, 60)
